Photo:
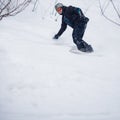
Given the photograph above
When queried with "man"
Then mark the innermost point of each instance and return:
(75, 18)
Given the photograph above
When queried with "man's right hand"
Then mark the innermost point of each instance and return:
(56, 37)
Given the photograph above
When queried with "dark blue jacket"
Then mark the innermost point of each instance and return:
(71, 16)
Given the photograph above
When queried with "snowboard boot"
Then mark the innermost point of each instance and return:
(84, 47)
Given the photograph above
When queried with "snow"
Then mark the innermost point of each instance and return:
(40, 79)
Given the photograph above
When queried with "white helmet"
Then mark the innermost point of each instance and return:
(58, 5)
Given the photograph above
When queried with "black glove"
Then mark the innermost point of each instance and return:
(56, 37)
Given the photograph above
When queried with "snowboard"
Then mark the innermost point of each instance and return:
(76, 51)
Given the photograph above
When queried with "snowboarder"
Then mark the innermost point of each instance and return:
(75, 18)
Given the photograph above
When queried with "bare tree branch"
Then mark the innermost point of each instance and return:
(36, 1)
(103, 12)
(115, 8)
(12, 7)
(106, 4)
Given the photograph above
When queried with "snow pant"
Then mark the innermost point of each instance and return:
(77, 35)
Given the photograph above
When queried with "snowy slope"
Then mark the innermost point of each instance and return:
(40, 79)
